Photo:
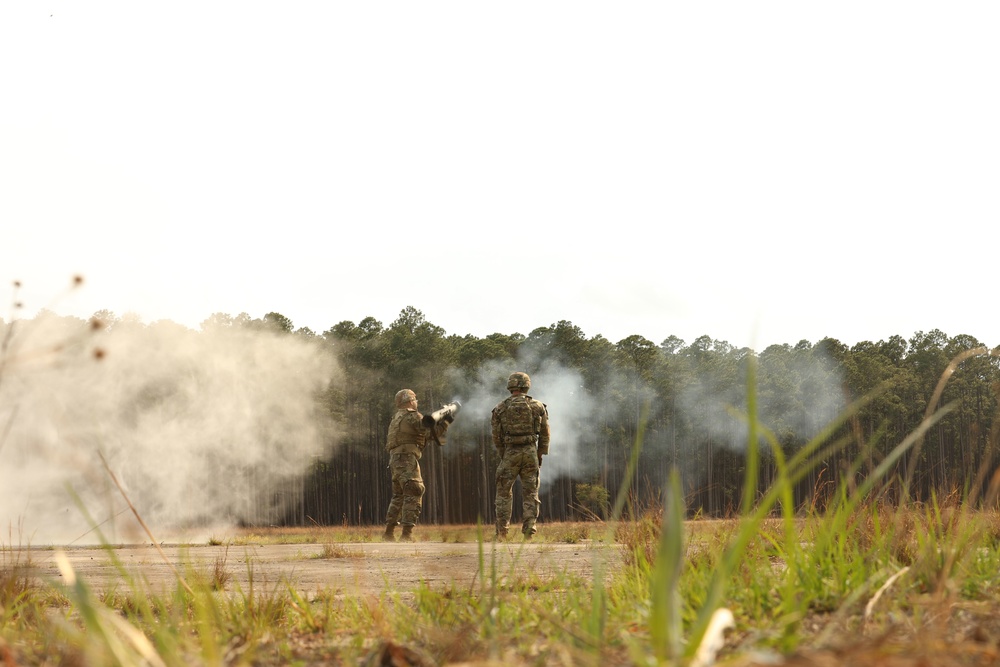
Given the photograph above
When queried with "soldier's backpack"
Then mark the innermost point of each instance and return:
(519, 421)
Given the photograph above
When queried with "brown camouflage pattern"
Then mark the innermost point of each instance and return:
(405, 442)
(518, 462)
(541, 419)
(406, 432)
(407, 490)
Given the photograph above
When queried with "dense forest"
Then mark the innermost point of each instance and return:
(672, 403)
(683, 402)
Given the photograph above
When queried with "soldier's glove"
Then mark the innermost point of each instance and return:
(449, 418)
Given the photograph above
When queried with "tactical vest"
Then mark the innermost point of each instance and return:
(406, 434)
(519, 423)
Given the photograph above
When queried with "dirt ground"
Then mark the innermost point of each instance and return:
(370, 568)
(345, 568)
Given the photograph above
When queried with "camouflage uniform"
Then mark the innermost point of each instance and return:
(405, 443)
(520, 457)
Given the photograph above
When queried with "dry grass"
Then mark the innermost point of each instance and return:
(333, 550)
(14, 580)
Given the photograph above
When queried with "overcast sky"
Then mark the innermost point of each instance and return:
(758, 172)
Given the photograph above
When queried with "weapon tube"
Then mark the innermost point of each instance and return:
(444, 412)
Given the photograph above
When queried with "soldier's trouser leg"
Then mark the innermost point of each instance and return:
(408, 472)
(413, 502)
(505, 494)
(395, 504)
(407, 490)
(531, 505)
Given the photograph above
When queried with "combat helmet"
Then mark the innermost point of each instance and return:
(404, 396)
(519, 381)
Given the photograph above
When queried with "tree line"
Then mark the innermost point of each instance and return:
(635, 404)
(683, 404)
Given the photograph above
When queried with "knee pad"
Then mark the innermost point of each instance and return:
(413, 488)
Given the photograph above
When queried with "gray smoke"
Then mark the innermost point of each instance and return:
(716, 405)
(571, 408)
(194, 425)
(798, 392)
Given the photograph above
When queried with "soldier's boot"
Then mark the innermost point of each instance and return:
(407, 535)
(528, 529)
(388, 536)
(501, 535)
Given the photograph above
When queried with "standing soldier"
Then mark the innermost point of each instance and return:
(405, 443)
(520, 426)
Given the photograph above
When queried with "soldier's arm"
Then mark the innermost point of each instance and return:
(543, 431)
(496, 429)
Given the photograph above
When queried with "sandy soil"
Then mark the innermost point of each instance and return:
(345, 568)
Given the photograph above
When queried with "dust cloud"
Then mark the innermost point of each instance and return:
(196, 427)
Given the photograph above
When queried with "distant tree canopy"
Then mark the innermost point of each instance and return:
(687, 401)
(685, 398)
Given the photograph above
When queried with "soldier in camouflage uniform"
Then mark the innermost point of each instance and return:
(405, 443)
(520, 426)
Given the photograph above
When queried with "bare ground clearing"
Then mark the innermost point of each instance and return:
(362, 568)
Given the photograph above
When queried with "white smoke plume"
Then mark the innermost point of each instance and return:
(804, 408)
(716, 406)
(194, 425)
(571, 408)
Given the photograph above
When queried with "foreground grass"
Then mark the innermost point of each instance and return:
(921, 579)
(858, 582)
